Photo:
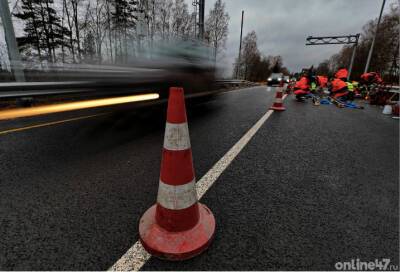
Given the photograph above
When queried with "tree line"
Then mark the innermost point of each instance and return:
(253, 65)
(109, 31)
(385, 57)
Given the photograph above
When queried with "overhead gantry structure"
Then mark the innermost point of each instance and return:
(345, 39)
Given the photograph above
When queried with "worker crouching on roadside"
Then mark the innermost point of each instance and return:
(350, 88)
(356, 87)
(371, 78)
(368, 82)
(339, 88)
(316, 89)
(322, 81)
(302, 88)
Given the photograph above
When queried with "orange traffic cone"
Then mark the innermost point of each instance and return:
(278, 104)
(177, 227)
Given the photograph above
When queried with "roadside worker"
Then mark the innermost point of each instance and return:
(369, 81)
(302, 88)
(350, 88)
(339, 89)
(356, 87)
(339, 85)
(371, 78)
(314, 90)
(342, 73)
(322, 81)
(313, 86)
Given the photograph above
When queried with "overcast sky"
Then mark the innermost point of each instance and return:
(283, 25)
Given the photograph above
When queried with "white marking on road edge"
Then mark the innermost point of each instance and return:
(137, 256)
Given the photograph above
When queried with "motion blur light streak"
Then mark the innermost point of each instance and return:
(26, 112)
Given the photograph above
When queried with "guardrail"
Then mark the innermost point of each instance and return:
(394, 89)
(235, 82)
(23, 89)
(37, 89)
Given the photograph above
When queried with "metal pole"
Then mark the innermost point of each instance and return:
(373, 40)
(353, 55)
(201, 19)
(240, 47)
(195, 3)
(12, 46)
(195, 23)
(352, 61)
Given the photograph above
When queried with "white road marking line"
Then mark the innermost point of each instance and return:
(137, 256)
(132, 260)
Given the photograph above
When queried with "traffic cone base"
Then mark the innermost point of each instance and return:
(180, 245)
(278, 108)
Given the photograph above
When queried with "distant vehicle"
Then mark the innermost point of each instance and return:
(286, 79)
(274, 79)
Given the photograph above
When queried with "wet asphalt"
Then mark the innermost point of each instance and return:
(315, 186)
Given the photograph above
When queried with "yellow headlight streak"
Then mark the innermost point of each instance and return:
(71, 106)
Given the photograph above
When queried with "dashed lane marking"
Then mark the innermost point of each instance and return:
(137, 256)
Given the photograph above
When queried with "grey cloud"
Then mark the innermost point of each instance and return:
(282, 26)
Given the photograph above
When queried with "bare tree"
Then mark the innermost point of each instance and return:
(250, 52)
(3, 57)
(323, 68)
(124, 19)
(101, 30)
(95, 19)
(43, 31)
(163, 18)
(75, 17)
(108, 25)
(217, 27)
(180, 19)
(70, 29)
(255, 66)
(385, 58)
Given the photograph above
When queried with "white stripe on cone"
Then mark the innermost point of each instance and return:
(278, 100)
(177, 197)
(176, 137)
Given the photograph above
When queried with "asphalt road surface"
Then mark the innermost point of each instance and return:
(315, 186)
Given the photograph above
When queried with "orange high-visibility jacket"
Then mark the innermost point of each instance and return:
(322, 81)
(371, 77)
(342, 73)
(338, 84)
(302, 84)
(339, 88)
